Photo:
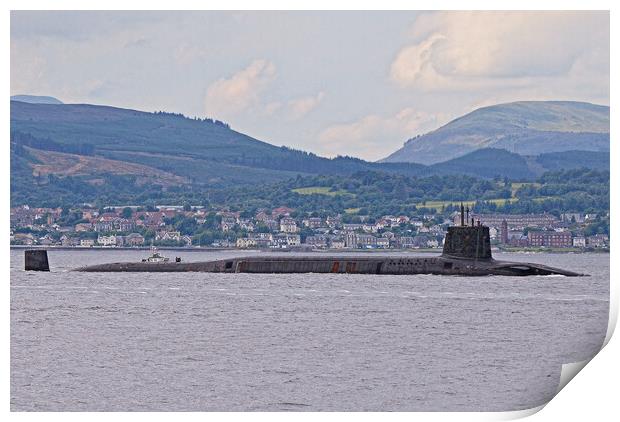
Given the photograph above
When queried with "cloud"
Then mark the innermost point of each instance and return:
(186, 53)
(414, 64)
(472, 50)
(228, 97)
(245, 93)
(272, 107)
(371, 136)
(299, 107)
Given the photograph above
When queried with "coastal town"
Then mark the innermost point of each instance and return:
(283, 228)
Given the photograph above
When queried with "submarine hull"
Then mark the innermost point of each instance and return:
(440, 265)
(466, 252)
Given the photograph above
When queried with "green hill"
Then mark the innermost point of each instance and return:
(488, 163)
(205, 150)
(75, 153)
(525, 128)
(492, 162)
(574, 159)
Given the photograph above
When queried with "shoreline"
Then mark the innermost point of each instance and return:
(553, 250)
(304, 250)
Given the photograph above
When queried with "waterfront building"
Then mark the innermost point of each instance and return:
(337, 243)
(106, 240)
(383, 242)
(579, 242)
(598, 241)
(514, 221)
(405, 242)
(350, 239)
(246, 242)
(551, 239)
(366, 241)
(317, 241)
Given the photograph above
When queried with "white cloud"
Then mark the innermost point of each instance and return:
(272, 107)
(186, 53)
(245, 93)
(473, 50)
(414, 64)
(299, 107)
(228, 97)
(371, 136)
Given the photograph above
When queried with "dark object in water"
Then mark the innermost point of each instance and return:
(36, 260)
(467, 251)
(443, 265)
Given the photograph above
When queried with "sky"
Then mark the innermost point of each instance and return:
(333, 83)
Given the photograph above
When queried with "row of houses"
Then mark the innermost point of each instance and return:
(136, 239)
(284, 230)
(268, 240)
(351, 240)
(115, 220)
(554, 239)
(514, 221)
(130, 240)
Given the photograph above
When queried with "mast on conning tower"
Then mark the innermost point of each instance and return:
(462, 215)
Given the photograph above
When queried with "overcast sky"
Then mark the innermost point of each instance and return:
(349, 83)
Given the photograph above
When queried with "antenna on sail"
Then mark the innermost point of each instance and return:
(462, 215)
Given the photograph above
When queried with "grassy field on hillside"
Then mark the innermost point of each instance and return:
(498, 201)
(515, 186)
(439, 204)
(321, 190)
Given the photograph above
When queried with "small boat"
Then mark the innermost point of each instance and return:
(155, 256)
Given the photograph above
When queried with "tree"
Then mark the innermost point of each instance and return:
(127, 212)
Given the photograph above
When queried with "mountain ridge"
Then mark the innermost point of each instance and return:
(66, 148)
(36, 99)
(524, 127)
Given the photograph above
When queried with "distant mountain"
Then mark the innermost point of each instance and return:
(525, 128)
(201, 152)
(488, 163)
(36, 99)
(205, 151)
(574, 159)
(492, 162)
(82, 153)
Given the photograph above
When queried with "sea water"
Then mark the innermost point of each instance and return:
(317, 342)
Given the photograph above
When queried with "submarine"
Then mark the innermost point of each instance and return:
(466, 252)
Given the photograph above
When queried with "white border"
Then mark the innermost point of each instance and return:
(593, 395)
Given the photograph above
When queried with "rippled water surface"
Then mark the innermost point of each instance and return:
(197, 341)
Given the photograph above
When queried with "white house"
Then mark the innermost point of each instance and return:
(106, 240)
(246, 242)
(579, 242)
(288, 225)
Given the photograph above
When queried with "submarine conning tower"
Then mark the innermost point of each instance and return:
(467, 242)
